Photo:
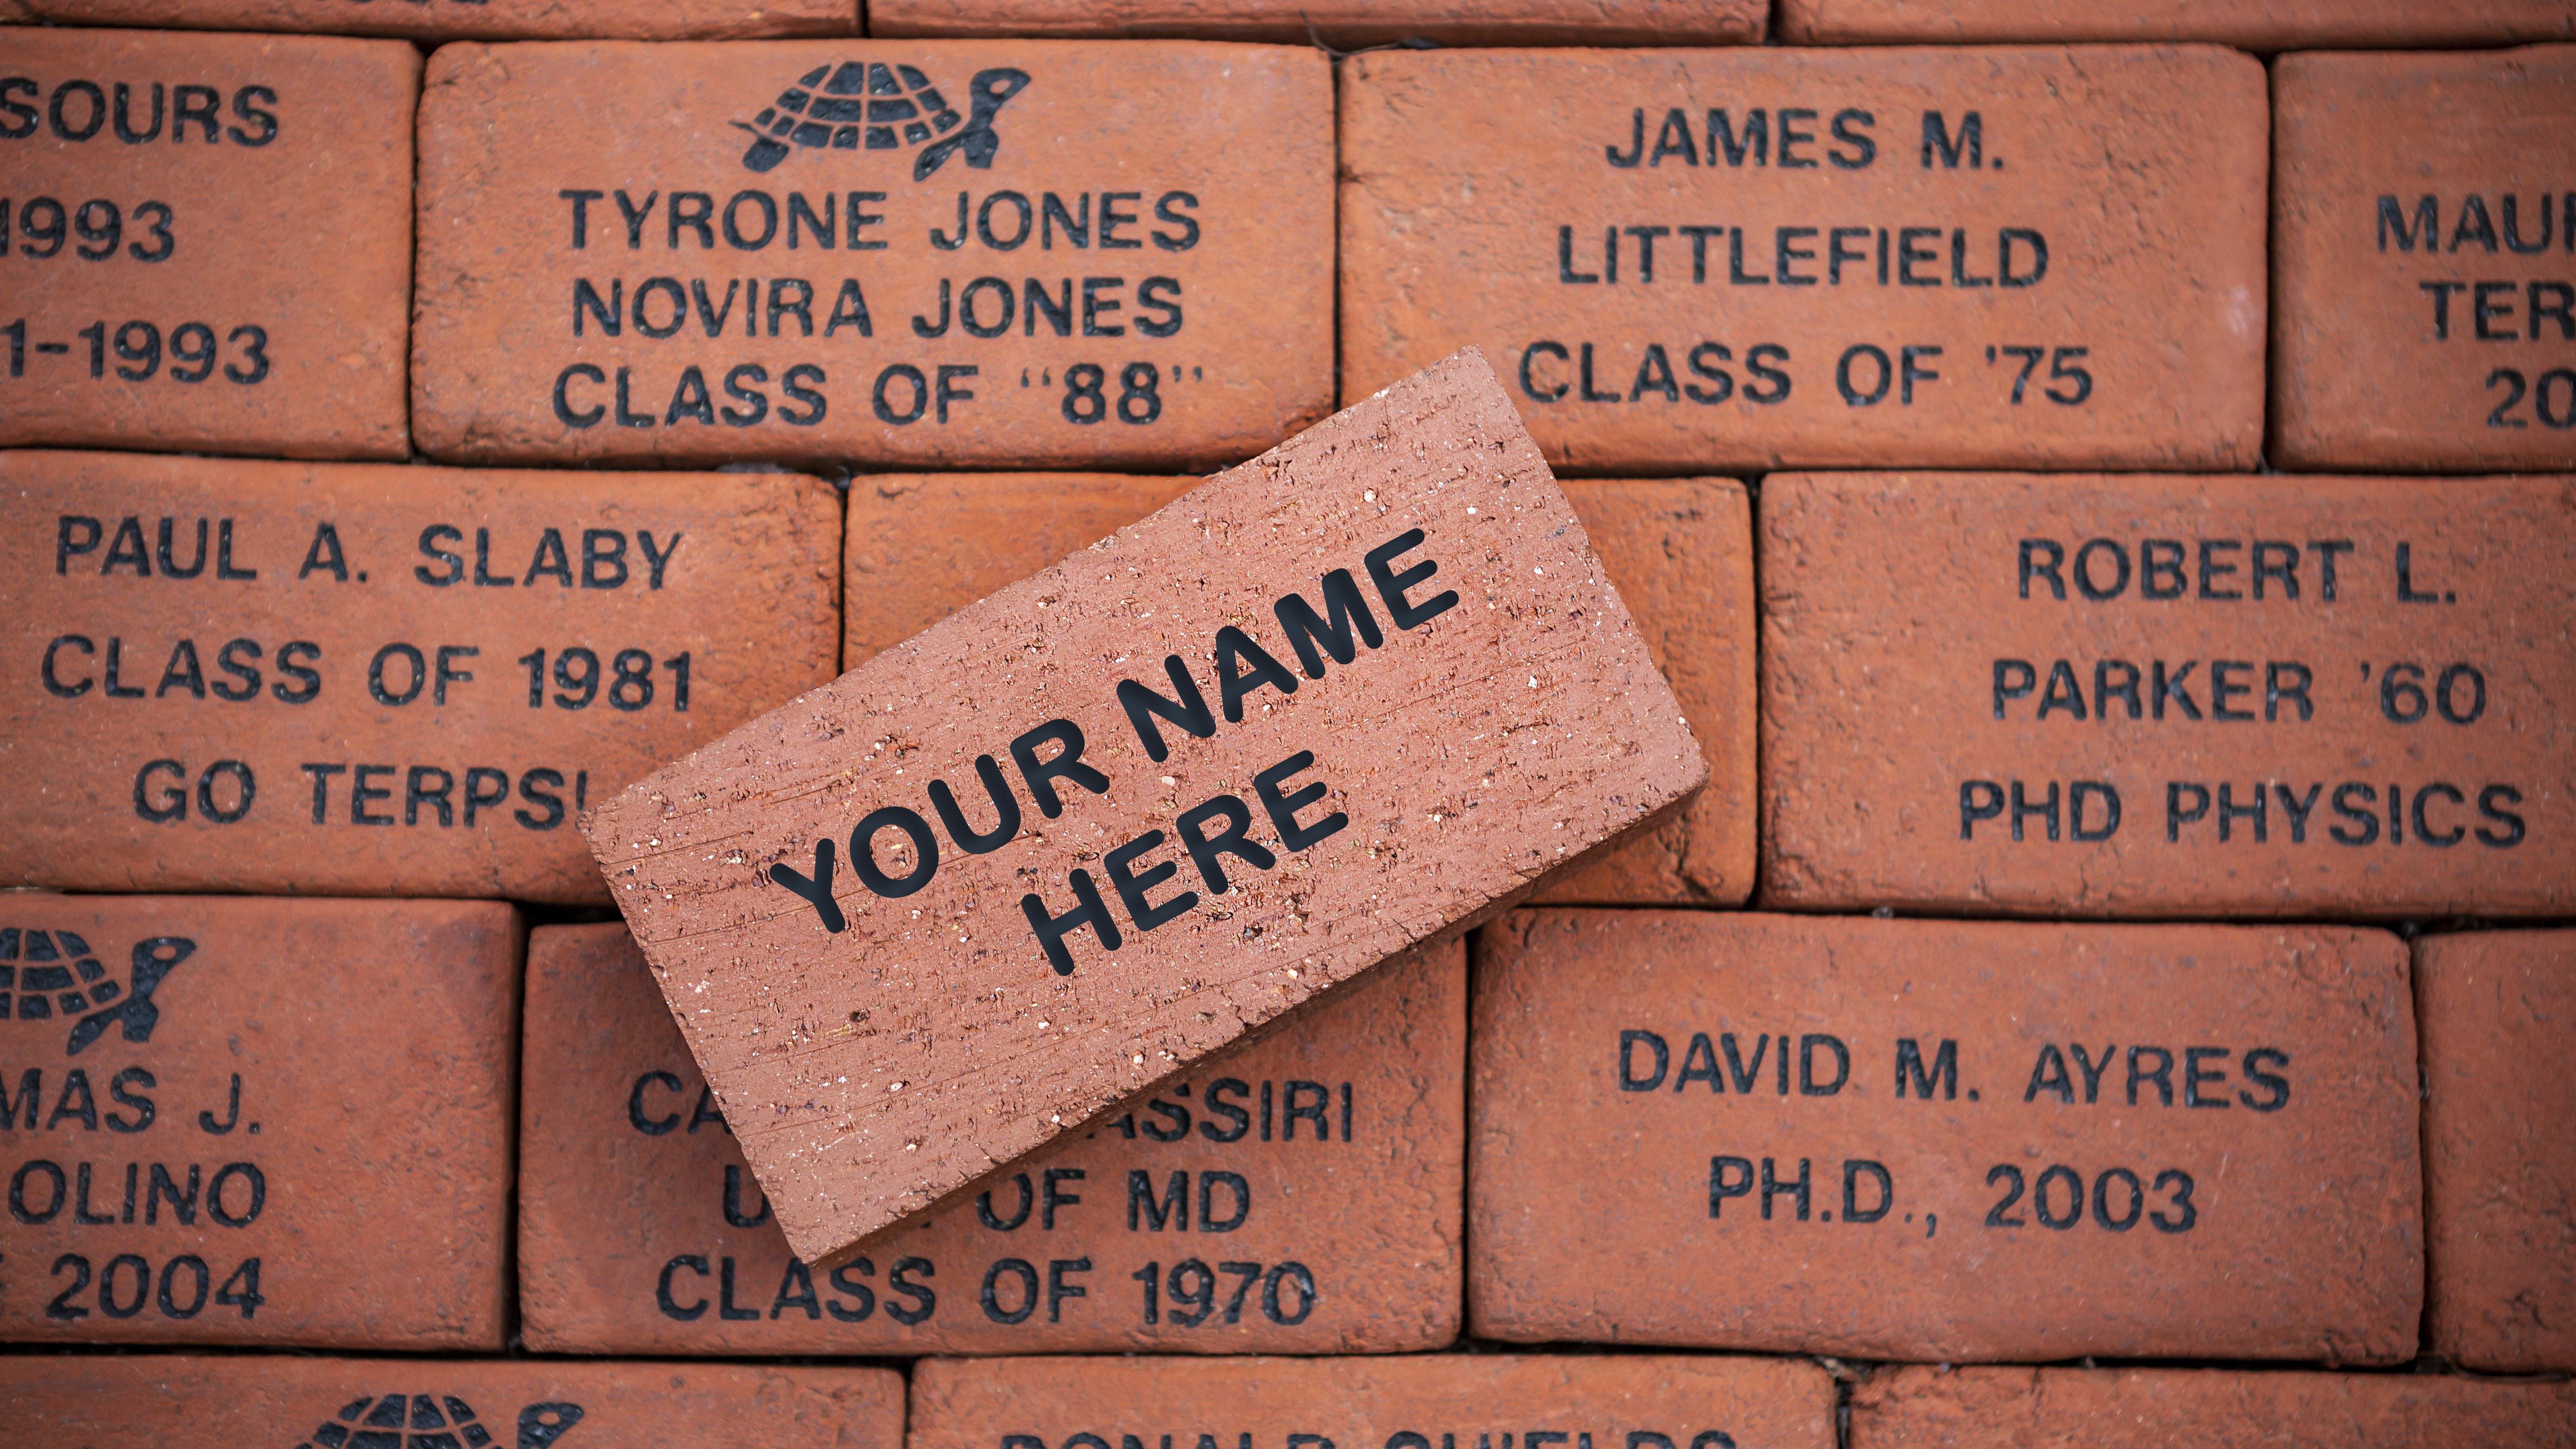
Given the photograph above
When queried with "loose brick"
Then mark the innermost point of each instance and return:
(1036, 254)
(1998, 1140)
(206, 241)
(480, 19)
(2421, 323)
(1409, 1403)
(351, 679)
(1297, 1194)
(326, 1403)
(1679, 551)
(1345, 23)
(2265, 25)
(2499, 1174)
(283, 1123)
(1408, 787)
(2046, 257)
(1917, 1408)
(2107, 696)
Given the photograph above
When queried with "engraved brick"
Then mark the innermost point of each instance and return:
(348, 678)
(2424, 260)
(2264, 25)
(1920, 1408)
(385, 1403)
(283, 1123)
(1748, 258)
(948, 253)
(2499, 1173)
(2109, 696)
(1679, 550)
(1996, 1140)
(1507, 719)
(1299, 1194)
(480, 19)
(1344, 23)
(1405, 1402)
(206, 241)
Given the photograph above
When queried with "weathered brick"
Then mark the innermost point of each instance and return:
(1300, 1193)
(1348, 24)
(1679, 550)
(381, 1403)
(480, 19)
(2499, 1171)
(1406, 1403)
(1918, 1408)
(1704, 260)
(299, 678)
(2160, 696)
(1998, 1140)
(206, 242)
(1506, 719)
(283, 1123)
(964, 254)
(2264, 25)
(2424, 260)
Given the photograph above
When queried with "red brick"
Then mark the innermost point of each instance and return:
(145, 737)
(2499, 1174)
(1345, 23)
(1481, 187)
(921, 546)
(1473, 751)
(1894, 608)
(1402, 1402)
(2387, 359)
(1679, 549)
(1919, 1408)
(2264, 25)
(1617, 1194)
(75, 1403)
(1207, 334)
(480, 19)
(283, 1123)
(250, 284)
(641, 1230)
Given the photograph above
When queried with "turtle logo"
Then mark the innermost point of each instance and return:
(883, 108)
(421, 1421)
(54, 973)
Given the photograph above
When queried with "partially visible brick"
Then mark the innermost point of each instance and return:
(921, 546)
(479, 19)
(2016, 1141)
(2424, 260)
(391, 1403)
(2264, 25)
(1405, 1403)
(1506, 720)
(217, 657)
(1742, 343)
(1680, 550)
(2498, 1013)
(1347, 24)
(206, 241)
(1173, 309)
(1331, 1231)
(271, 1122)
(2003, 692)
(2022, 1408)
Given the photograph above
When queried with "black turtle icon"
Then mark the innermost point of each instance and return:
(427, 1421)
(874, 106)
(49, 974)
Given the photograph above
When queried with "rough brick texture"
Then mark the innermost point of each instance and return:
(1992, 1408)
